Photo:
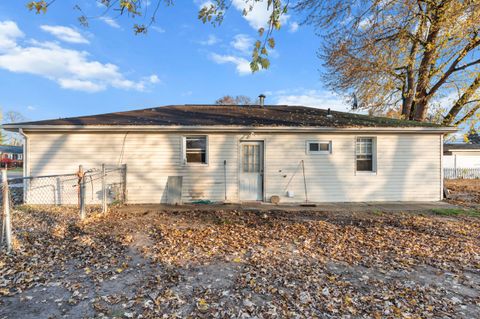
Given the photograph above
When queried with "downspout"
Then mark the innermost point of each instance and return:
(25, 148)
(25, 162)
(442, 186)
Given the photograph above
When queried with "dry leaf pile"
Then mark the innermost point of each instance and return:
(144, 263)
(465, 192)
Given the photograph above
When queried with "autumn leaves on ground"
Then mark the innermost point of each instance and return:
(143, 262)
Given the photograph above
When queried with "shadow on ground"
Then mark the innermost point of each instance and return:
(230, 261)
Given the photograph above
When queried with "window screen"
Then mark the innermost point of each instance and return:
(319, 147)
(364, 153)
(196, 149)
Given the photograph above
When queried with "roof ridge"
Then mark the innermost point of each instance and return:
(232, 115)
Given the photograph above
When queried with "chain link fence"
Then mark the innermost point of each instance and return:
(95, 188)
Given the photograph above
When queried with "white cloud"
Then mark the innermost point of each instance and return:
(293, 27)
(9, 33)
(212, 39)
(111, 22)
(153, 78)
(71, 69)
(203, 3)
(31, 108)
(257, 12)
(313, 98)
(243, 43)
(242, 65)
(65, 33)
(81, 85)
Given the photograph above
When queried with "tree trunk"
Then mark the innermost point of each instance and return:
(424, 72)
(424, 75)
(410, 76)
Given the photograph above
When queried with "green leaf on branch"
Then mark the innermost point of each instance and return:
(38, 6)
(271, 43)
(139, 29)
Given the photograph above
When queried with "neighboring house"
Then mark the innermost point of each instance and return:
(247, 153)
(11, 156)
(461, 155)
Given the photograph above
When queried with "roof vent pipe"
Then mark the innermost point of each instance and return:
(261, 98)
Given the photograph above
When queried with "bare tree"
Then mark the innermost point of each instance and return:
(12, 138)
(237, 100)
(13, 117)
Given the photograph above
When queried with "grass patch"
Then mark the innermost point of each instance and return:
(456, 212)
(377, 212)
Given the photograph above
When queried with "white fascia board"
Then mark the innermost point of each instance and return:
(266, 129)
(463, 150)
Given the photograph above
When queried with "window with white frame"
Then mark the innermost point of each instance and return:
(195, 149)
(365, 154)
(319, 147)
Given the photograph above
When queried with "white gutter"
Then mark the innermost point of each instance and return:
(25, 163)
(25, 147)
(172, 128)
(463, 150)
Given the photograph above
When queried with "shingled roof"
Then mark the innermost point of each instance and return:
(449, 147)
(231, 115)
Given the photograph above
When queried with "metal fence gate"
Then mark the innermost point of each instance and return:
(94, 188)
(66, 189)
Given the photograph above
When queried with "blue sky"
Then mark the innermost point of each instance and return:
(52, 67)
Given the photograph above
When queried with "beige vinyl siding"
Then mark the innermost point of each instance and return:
(150, 159)
(408, 165)
(407, 168)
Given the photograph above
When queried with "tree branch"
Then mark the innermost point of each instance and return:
(468, 115)
(462, 101)
(453, 67)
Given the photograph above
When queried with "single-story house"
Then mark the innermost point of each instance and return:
(247, 153)
(11, 156)
(461, 155)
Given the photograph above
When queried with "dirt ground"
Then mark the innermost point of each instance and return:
(465, 192)
(148, 262)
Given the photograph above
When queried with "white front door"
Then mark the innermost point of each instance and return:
(251, 170)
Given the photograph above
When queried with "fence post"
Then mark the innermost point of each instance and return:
(104, 190)
(7, 222)
(81, 184)
(124, 182)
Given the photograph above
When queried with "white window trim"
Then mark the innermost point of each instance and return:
(183, 158)
(307, 147)
(374, 155)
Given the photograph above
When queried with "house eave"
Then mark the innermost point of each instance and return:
(263, 129)
(463, 150)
